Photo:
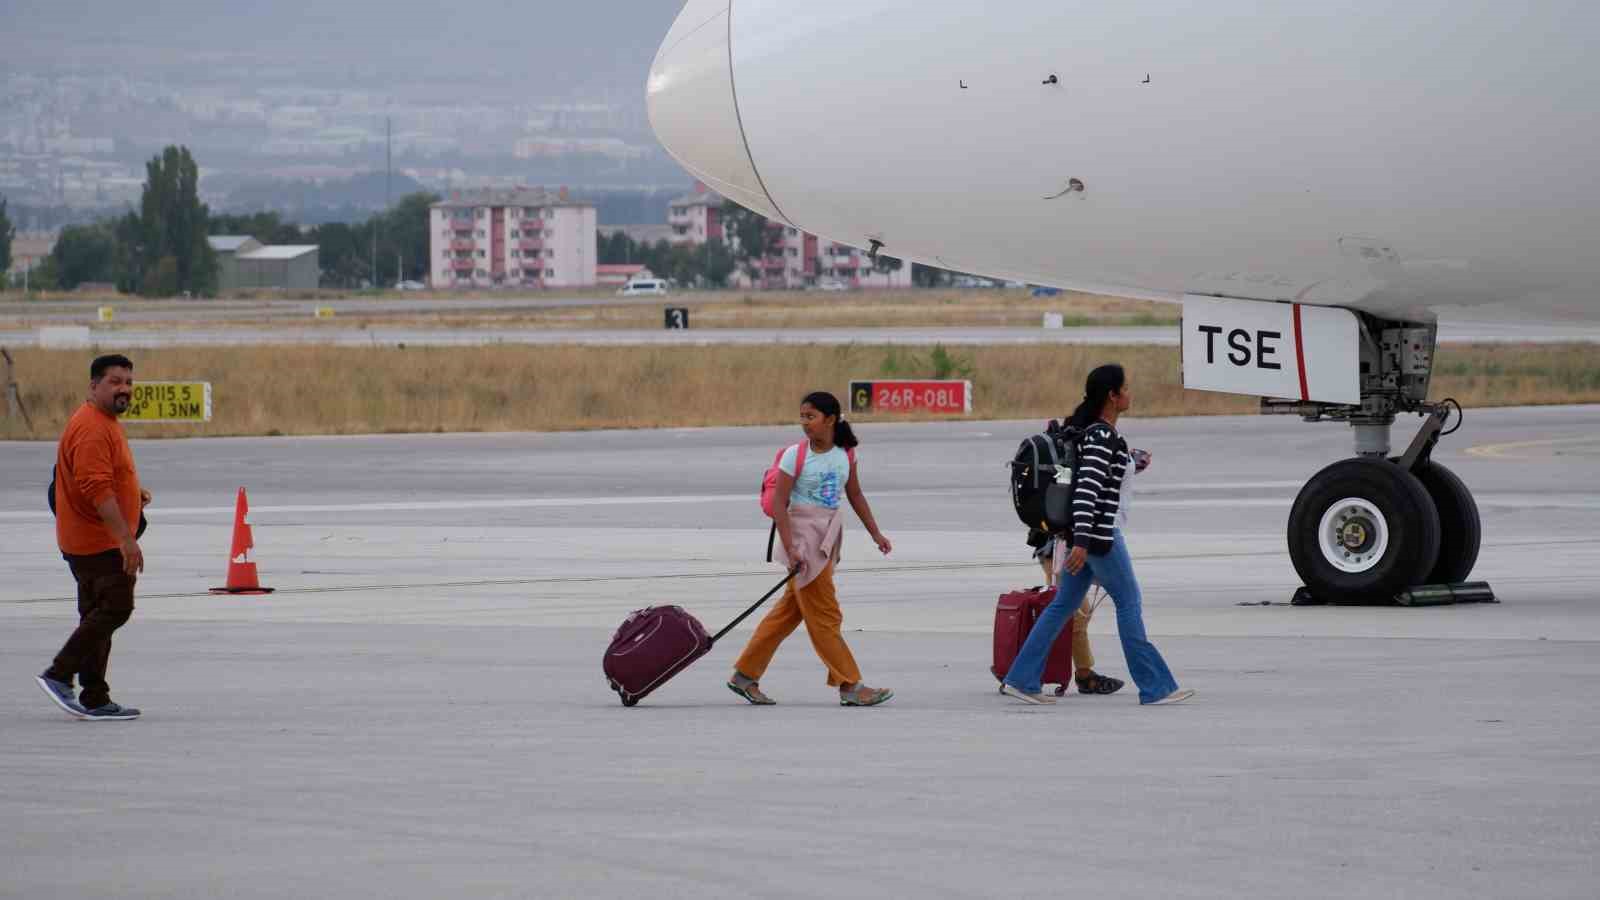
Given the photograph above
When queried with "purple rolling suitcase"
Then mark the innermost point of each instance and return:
(657, 642)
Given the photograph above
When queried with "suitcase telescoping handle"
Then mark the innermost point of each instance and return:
(756, 605)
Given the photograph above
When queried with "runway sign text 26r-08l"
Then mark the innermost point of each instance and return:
(170, 401)
(911, 396)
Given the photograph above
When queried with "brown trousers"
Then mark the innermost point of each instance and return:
(817, 605)
(105, 601)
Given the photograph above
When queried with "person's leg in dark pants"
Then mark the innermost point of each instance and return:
(105, 602)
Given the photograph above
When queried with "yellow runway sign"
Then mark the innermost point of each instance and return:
(170, 401)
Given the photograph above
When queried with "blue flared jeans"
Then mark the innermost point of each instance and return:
(1114, 571)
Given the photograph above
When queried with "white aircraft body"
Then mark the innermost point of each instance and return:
(1316, 183)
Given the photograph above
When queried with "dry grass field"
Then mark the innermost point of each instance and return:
(326, 390)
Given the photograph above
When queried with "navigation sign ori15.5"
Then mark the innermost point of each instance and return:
(170, 401)
(1282, 350)
(911, 396)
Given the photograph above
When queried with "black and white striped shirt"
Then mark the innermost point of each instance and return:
(1103, 460)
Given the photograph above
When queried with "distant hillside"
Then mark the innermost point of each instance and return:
(311, 201)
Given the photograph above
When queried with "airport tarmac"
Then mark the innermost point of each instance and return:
(419, 708)
(386, 336)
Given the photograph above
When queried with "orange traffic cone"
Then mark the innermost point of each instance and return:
(241, 571)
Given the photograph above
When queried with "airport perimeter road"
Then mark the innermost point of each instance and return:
(86, 312)
(376, 335)
(419, 709)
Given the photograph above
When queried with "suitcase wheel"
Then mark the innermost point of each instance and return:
(629, 701)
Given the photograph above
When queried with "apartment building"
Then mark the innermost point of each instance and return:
(514, 237)
(798, 259)
(696, 218)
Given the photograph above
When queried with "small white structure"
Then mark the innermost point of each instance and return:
(63, 337)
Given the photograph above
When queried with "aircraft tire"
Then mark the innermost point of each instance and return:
(1461, 530)
(1362, 530)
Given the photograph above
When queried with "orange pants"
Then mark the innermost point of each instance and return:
(817, 606)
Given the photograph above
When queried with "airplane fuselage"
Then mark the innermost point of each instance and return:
(1392, 159)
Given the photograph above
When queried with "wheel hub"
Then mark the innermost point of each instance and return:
(1353, 535)
(1356, 534)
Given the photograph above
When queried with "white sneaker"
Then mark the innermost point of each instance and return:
(1039, 699)
(1174, 697)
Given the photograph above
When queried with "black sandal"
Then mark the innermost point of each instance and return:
(1095, 683)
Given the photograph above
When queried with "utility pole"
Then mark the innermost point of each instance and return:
(388, 177)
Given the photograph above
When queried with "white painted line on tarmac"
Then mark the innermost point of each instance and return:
(426, 505)
(1139, 501)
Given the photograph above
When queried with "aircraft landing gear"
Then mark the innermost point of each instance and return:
(1460, 529)
(1363, 529)
(1372, 528)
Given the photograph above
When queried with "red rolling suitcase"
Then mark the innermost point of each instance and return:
(657, 642)
(1013, 619)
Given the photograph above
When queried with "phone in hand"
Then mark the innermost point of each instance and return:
(1141, 459)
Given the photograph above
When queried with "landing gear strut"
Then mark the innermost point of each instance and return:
(1371, 528)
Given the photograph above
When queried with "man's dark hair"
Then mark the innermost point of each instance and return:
(97, 369)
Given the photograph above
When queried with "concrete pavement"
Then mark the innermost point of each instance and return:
(420, 709)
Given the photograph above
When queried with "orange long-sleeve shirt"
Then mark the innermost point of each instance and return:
(93, 462)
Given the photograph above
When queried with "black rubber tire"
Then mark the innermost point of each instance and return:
(629, 701)
(1461, 530)
(1410, 514)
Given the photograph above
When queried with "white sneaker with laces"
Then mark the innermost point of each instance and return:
(1039, 699)
(1175, 697)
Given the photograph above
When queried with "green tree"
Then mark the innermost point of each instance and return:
(718, 263)
(7, 233)
(43, 277)
(162, 279)
(85, 253)
(172, 226)
(342, 251)
(887, 264)
(403, 238)
(617, 249)
(754, 238)
(266, 227)
(127, 268)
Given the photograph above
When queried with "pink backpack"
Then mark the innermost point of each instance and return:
(769, 482)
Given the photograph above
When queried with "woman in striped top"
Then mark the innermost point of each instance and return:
(1098, 552)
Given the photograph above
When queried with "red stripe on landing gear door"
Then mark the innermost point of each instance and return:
(1300, 353)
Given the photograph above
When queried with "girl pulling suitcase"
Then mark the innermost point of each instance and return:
(805, 507)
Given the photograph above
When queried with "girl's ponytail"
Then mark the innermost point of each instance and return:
(844, 435)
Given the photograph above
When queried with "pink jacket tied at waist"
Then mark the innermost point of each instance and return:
(817, 533)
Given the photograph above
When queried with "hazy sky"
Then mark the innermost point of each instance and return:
(604, 44)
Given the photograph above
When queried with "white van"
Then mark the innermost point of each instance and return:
(643, 287)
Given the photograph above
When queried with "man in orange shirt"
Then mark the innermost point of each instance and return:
(98, 503)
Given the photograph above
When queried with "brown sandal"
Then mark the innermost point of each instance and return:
(860, 695)
(752, 692)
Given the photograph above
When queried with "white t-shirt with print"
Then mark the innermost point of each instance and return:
(822, 478)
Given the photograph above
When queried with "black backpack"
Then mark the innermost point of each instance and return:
(1041, 501)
